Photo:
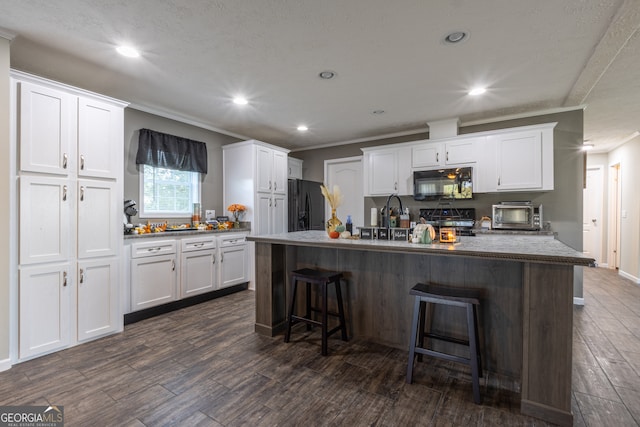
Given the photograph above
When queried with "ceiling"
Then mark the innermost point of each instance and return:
(196, 55)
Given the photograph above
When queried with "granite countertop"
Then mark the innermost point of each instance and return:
(505, 247)
(187, 232)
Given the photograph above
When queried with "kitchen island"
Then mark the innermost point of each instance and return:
(526, 323)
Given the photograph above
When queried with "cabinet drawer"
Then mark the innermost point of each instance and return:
(232, 240)
(198, 243)
(156, 247)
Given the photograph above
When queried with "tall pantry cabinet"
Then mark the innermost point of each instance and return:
(69, 149)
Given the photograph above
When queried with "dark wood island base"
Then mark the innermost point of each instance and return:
(526, 317)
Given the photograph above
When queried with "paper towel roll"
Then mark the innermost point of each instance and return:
(374, 217)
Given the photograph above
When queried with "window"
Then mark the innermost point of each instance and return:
(167, 192)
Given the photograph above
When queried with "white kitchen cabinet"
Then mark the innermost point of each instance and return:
(255, 175)
(46, 121)
(295, 168)
(153, 273)
(457, 151)
(519, 159)
(97, 298)
(69, 177)
(45, 309)
(234, 257)
(99, 123)
(45, 205)
(388, 171)
(198, 266)
(98, 225)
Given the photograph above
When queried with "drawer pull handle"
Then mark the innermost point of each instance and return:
(65, 159)
(82, 193)
(64, 193)
(173, 265)
(82, 162)
(81, 275)
(64, 278)
(214, 259)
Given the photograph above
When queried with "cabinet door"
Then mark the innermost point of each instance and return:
(45, 222)
(279, 172)
(295, 168)
(263, 213)
(264, 166)
(98, 225)
(519, 160)
(198, 272)
(462, 152)
(45, 129)
(382, 172)
(98, 130)
(45, 305)
(426, 154)
(233, 265)
(153, 281)
(97, 298)
(279, 214)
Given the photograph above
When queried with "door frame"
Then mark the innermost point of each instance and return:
(599, 230)
(613, 244)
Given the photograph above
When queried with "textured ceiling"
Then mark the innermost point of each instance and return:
(533, 56)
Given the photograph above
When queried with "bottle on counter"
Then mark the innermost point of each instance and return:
(349, 225)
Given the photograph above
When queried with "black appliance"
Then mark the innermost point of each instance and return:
(448, 216)
(306, 205)
(441, 184)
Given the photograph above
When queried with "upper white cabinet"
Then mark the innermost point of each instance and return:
(46, 121)
(295, 168)
(519, 159)
(255, 175)
(458, 151)
(387, 171)
(69, 145)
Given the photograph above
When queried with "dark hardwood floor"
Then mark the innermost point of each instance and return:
(204, 366)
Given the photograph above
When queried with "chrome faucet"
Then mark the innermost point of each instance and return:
(388, 213)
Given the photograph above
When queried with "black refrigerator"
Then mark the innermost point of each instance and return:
(306, 205)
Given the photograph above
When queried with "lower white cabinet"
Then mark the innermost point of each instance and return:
(97, 298)
(153, 273)
(45, 309)
(234, 260)
(198, 267)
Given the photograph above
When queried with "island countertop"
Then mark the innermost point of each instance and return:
(536, 249)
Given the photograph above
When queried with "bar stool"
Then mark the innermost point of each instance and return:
(435, 294)
(321, 279)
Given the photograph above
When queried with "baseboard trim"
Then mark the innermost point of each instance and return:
(578, 301)
(5, 365)
(631, 277)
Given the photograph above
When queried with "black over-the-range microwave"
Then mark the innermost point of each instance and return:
(452, 183)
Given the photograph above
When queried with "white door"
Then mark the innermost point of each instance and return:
(279, 172)
(97, 130)
(519, 157)
(262, 215)
(280, 213)
(347, 174)
(97, 212)
(264, 169)
(46, 129)
(45, 223)
(233, 265)
(199, 272)
(97, 298)
(153, 281)
(382, 172)
(45, 306)
(592, 214)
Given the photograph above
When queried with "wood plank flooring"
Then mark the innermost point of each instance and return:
(204, 366)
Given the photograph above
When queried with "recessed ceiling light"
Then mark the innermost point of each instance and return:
(326, 75)
(303, 128)
(587, 146)
(128, 51)
(455, 37)
(240, 100)
(477, 91)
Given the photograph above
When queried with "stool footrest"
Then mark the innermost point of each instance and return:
(446, 356)
(447, 338)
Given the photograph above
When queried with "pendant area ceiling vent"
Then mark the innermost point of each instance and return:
(443, 128)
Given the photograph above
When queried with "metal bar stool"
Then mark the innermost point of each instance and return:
(460, 297)
(321, 279)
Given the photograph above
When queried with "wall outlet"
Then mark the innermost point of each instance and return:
(209, 214)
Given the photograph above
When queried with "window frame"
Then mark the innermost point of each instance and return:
(196, 196)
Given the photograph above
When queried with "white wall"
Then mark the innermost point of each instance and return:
(628, 156)
(5, 185)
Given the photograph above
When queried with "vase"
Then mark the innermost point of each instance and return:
(333, 222)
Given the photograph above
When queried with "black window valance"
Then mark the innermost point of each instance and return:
(171, 152)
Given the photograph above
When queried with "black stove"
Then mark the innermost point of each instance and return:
(462, 219)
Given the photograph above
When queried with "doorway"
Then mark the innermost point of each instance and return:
(346, 173)
(614, 216)
(592, 214)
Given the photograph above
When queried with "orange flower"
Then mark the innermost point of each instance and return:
(236, 207)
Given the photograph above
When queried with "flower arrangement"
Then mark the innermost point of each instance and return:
(334, 199)
(236, 209)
